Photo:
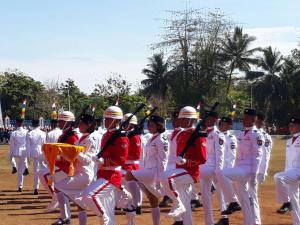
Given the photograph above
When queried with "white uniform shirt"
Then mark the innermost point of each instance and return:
(17, 143)
(53, 135)
(156, 151)
(230, 150)
(249, 151)
(172, 152)
(267, 148)
(215, 148)
(85, 164)
(34, 141)
(292, 160)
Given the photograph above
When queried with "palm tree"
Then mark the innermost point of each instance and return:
(272, 63)
(235, 49)
(157, 82)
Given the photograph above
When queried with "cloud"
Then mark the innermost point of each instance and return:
(283, 38)
(85, 71)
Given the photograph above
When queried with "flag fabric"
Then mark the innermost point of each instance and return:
(54, 113)
(117, 102)
(198, 109)
(93, 107)
(23, 110)
(233, 112)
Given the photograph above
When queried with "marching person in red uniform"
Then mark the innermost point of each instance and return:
(133, 160)
(178, 182)
(100, 195)
(65, 120)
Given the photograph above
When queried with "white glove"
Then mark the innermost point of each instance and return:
(99, 161)
(261, 177)
(180, 160)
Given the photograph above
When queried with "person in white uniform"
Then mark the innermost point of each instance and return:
(172, 156)
(209, 172)
(225, 125)
(287, 182)
(17, 152)
(245, 171)
(72, 187)
(263, 167)
(155, 162)
(51, 137)
(34, 141)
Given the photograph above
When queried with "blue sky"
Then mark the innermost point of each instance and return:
(88, 40)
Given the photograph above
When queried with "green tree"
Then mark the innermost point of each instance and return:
(235, 50)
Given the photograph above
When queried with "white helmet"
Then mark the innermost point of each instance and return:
(188, 112)
(113, 112)
(66, 116)
(133, 120)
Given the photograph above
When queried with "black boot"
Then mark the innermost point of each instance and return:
(35, 192)
(233, 207)
(138, 210)
(20, 189)
(223, 221)
(195, 203)
(26, 172)
(286, 207)
(178, 223)
(14, 170)
(62, 221)
(165, 202)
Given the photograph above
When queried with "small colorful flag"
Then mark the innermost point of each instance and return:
(93, 107)
(54, 113)
(23, 110)
(233, 112)
(198, 108)
(117, 102)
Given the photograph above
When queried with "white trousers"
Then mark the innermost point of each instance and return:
(287, 188)
(99, 196)
(177, 184)
(37, 165)
(208, 176)
(240, 176)
(253, 191)
(20, 162)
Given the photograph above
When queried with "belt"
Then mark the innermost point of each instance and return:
(113, 168)
(132, 162)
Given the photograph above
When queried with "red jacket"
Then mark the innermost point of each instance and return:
(196, 154)
(134, 153)
(114, 157)
(62, 163)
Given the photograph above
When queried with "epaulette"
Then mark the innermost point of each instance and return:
(255, 131)
(230, 135)
(217, 131)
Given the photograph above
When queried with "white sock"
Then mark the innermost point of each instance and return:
(64, 205)
(155, 216)
(82, 216)
(135, 192)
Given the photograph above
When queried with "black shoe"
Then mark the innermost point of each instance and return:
(165, 202)
(138, 210)
(233, 207)
(20, 189)
(26, 172)
(223, 221)
(35, 192)
(286, 207)
(14, 170)
(178, 223)
(62, 221)
(212, 189)
(195, 204)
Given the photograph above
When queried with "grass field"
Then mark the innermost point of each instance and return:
(27, 209)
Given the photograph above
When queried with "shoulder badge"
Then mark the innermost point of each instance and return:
(123, 145)
(221, 141)
(259, 142)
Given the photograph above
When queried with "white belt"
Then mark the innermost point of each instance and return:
(132, 162)
(114, 168)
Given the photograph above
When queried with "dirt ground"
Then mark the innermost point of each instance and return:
(27, 209)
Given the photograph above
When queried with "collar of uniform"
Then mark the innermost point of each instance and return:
(296, 135)
(248, 128)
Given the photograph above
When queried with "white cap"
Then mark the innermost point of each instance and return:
(133, 120)
(188, 112)
(113, 112)
(66, 116)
